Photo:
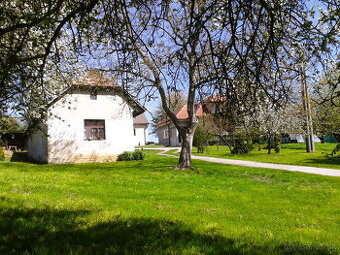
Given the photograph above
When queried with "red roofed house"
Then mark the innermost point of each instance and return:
(168, 134)
(92, 121)
(140, 130)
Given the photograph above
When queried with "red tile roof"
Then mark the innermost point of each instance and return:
(140, 120)
(182, 113)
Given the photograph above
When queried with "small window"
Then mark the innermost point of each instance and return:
(93, 95)
(94, 130)
(134, 132)
(166, 134)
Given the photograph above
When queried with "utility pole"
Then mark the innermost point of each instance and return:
(306, 108)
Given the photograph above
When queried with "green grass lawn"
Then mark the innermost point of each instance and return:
(147, 208)
(291, 154)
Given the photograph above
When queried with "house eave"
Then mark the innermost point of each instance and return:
(137, 107)
(170, 122)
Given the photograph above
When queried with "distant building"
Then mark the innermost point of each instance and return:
(91, 122)
(293, 138)
(168, 134)
(140, 130)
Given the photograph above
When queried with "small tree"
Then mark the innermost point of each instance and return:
(202, 136)
(326, 98)
(274, 122)
(242, 143)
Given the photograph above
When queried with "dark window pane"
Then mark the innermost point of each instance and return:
(101, 133)
(87, 123)
(87, 133)
(94, 129)
(101, 123)
(94, 133)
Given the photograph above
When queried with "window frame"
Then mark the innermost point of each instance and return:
(165, 134)
(94, 124)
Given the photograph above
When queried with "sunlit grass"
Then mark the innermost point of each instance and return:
(147, 208)
(291, 154)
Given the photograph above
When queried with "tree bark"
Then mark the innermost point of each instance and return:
(269, 144)
(185, 157)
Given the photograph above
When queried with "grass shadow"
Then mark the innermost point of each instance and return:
(325, 161)
(49, 231)
(22, 156)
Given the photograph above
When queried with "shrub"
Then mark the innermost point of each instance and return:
(129, 156)
(336, 151)
(277, 143)
(242, 148)
(2, 154)
(138, 155)
(242, 144)
(125, 156)
(201, 137)
(277, 148)
(274, 143)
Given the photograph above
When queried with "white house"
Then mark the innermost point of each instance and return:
(140, 130)
(91, 122)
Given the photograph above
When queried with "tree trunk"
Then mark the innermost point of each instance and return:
(185, 157)
(229, 146)
(226, 142)
(169, 134)
(269, 144)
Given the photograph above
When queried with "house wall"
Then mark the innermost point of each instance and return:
(37, 144)
(141, 137)
(161, 139)
(66, 138)
(173, 133)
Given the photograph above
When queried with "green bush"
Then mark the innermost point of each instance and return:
(138, 155)
(277, 148)
(201, 137)
(277, 143)
(336, 151)
(125, 156)
(242, 148)
(129, 156)
(242, 144)
(2, 154)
